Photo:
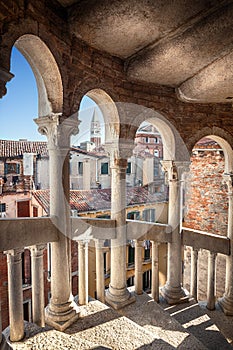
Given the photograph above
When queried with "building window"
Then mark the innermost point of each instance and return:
(12, 168)
(131, 252)
(156, 140)
(147, 280)
(2, 208)
(133, 215)
(156, 153)
(149, 215)
(80, 168)
(146, 139)
(128, 170)
(26, 267)
(104, 168)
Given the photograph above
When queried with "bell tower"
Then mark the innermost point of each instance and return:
(95, 129)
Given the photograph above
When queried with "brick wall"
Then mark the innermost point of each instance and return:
(206, 210)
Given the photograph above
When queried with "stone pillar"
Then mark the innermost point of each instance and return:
(173, 291)
(61, 311)
(138, 267)
(15, 294)
(38, 315)
(100, 285)
(211, 281)
(226, 302)
(155, 271)
(118, 295)
(5, 76)
(82, 272)
(193, 284)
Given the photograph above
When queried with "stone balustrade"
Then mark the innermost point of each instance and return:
(84, 230)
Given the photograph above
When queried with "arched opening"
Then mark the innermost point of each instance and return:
(35, 91)
(46, 71)
(206, 205)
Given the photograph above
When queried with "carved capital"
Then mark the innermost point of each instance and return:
(58, 133)
(174, 169)
(37, 250)
(15, 254)
(119, 152)
(5, 76)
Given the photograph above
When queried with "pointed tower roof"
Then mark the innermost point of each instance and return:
(95, 117)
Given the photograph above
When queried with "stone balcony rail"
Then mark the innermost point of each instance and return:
(34, 233)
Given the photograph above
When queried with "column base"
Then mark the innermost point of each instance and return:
(174, 295)
(226, 304)
(61, 317)
(118, 298)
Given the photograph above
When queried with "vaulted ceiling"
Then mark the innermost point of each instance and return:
(184, 44)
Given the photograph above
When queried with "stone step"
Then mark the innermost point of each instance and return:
(197, 321)
(153, 318)
(141, 325)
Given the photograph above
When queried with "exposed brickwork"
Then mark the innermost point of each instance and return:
(206, 210)
(206, 197)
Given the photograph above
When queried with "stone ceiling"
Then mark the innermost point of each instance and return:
(183, 44)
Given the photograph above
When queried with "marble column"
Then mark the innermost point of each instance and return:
(15, 294)
(38, 315)
(100, 285)
(62, 310)
(82, 272)
(117, 294)
(155, 271)
(173, 291)
(138, 267)
(226, 302)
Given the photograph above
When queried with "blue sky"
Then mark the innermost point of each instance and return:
(19, 106)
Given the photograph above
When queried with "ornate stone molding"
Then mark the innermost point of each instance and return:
(16, 254)
(37, 250)
(174, 169)
(119, 152)
(5, 76)
(58, 133)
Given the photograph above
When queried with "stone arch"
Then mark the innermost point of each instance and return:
(174, 146)
(109, 111)
(47, 74)
(223, 138)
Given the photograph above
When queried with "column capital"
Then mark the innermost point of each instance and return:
(175, 169)
(16, 253)
(37, 249)
(58, 132)
(99, 243)
(5, 76)
(119, 152)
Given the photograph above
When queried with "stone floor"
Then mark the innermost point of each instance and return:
(142, 325)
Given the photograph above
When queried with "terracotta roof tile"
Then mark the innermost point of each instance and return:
(95, 200)
(9, 148)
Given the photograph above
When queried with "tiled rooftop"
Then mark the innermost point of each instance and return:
(95, 200)
(10, 148)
